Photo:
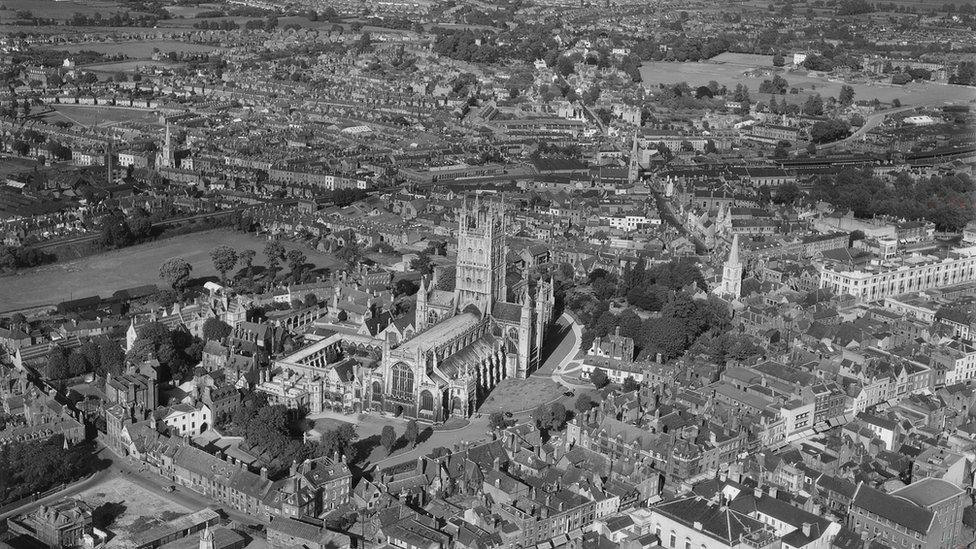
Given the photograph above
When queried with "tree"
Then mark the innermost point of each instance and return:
(111, 359)
(388, 438)
(599, 378)
(496, 420)
(825, 131)
(411, 433)
(115, 231)
(630, 384)
(846, 96)
(224, 258)
(176, 272)
(57, 364)
(813, 105)
(311, 300)
(246, 259)
(778, 60)
(140, 224)
(77, 364)
(275, 253)
(812, 148)
(584, 403)
(422, 263)
(296, 262)
(215, 329)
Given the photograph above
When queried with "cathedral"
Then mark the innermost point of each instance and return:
(442, 360)
(464, 341)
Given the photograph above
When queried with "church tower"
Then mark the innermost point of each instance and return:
(420, 317)
(633, 172)
(480, 278)
(732, 272)
(166, 157)
(544, 304)
(525, 350)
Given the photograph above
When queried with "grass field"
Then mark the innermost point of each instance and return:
(142, 49)
(50, 9)
(105, 273)
(517, 395)
(731, 69)
(95, 115)
(129, 66)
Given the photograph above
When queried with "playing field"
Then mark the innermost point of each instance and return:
(97, 115)
(732, 69)
(105, 273)
(137, 49)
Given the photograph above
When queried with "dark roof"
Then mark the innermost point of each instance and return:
(900, 511)
(509, 312)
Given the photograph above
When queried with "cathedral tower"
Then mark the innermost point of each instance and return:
(480, 279)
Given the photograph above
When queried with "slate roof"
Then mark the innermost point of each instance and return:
(898, 510)
(718, 522)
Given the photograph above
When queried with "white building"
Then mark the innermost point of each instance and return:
(916, 273)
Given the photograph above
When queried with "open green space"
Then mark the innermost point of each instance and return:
(96, 115)
(517, 395)
(105, 273)
(733, 69)
(138, 49)
(60, 10)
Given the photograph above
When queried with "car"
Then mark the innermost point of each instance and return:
(569, 393)
(170, 488)
(508, 414)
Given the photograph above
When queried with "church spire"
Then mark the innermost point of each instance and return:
(734, 252)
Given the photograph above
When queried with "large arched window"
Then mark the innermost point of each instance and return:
(402, 379)
(426, 401)
(377, 391)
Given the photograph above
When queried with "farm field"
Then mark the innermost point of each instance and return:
(95, 115)
(142, 49)
(50, 9)
(733, 71)
(105, 273)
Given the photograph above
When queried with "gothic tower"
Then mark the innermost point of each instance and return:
(633, 171)
(166, 157)
(544, 304)
(525, 349)
(732, 272)
(206, 539)
(480, 279)
(420, 317)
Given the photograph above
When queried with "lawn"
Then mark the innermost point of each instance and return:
(95, 115)
(518, 395)
(124, 508)
(137, 49)
(105, 273)
(60, 10)
(731, 69)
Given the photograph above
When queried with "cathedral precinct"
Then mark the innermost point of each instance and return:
(442, 360)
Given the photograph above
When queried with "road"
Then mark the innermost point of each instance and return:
(872, 121)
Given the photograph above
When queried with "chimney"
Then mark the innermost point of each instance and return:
(806, 529)
(773, 492)
(264, 472)
(698, 525)
(757, 493)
